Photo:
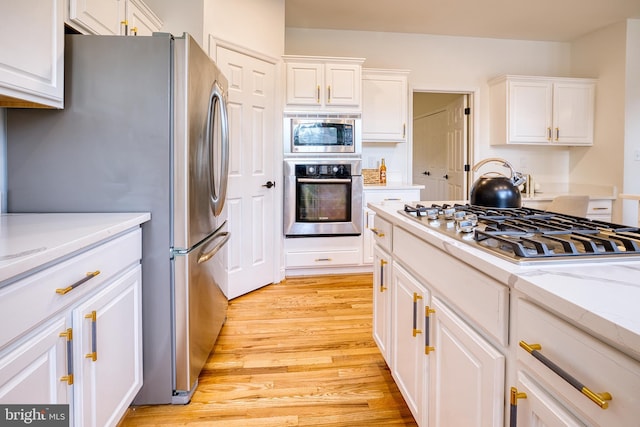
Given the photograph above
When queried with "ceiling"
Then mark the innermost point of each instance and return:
(544, 20)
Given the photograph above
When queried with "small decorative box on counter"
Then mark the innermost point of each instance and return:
(371, 177)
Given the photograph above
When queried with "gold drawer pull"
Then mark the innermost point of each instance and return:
(68, 334)
(600, 399)
(382, 264)
(377, 232)
(69, 288)
(428, 348)
(416, 297)
(94, 339)
(513, 415)
(322, 259)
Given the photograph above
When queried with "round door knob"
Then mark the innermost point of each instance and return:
(446, 177)
(269, 184)
(426, 173)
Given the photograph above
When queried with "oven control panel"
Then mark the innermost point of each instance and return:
(323, 170)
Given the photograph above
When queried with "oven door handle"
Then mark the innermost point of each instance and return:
(325, 181)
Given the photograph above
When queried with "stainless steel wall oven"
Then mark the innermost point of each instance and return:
(322, 197)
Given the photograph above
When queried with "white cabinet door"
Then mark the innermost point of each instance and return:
(343, 84)
(532, 406)
(141, 21)
(305, 83)
(408, 360)
(32, 371)
(542, 110)
(317, 83)
(467, 374)
(367, 236)
(573, 110)
(105, 17)
(32, 55)
(108, 348)
(530, 111)
(382, 302)
(384, 105)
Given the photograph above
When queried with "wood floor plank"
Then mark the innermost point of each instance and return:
(296, 353)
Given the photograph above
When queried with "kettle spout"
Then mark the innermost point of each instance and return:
(518, 179)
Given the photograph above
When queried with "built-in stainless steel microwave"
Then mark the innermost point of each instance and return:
(322, 134)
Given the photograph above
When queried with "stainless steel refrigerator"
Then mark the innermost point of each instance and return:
(144, 128)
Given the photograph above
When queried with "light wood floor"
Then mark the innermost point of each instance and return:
(297, 353)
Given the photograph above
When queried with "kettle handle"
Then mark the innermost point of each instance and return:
(516, 177)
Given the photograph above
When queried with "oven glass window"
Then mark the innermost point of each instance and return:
(318, 202)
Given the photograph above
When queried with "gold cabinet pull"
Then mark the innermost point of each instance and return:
(382, 264)
(428, 311)
(404, 130)
(600, 399)
(134, 31)
(548, 134)
(94, 339)
(416, 298)
(126, 27)
(68, 334)
(318, 94)
(513, 413)
(329, 94)
(377, 232)
(89, 275)
(557, 134)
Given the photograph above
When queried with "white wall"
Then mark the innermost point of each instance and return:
(451, 64)
(631, 177)
(254, 24)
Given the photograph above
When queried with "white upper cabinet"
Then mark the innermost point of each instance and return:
(542, 110)
(384, 105)
(141, 21)
(318, 83)
(112, 17)
(32, 57)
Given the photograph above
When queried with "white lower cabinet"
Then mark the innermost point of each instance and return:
(575, 378)
(108, 352)
(31, 371)
(466, 386)
(409, 363)
(382, 302)
(448, 333)
(74, 333)
(532, 406)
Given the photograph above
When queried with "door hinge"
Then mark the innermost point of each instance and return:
(467, 168)
(467, 111)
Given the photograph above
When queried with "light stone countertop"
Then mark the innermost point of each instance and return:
(600, 297)
(28, 241)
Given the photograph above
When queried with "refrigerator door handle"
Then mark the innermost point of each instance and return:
(218, 194)
(206, 255)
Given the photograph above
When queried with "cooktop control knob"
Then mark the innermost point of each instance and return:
(311, 170)
(335, 169)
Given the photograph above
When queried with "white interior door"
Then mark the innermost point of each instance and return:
(251, 206)
(456, 149)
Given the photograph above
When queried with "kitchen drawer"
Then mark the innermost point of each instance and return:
(382, 233)
(377, 196)
(26, 303)
(593, 363)
(322, 258)
(600, 210)
(477, 297)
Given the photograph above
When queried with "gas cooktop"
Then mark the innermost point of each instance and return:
(529, 235)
